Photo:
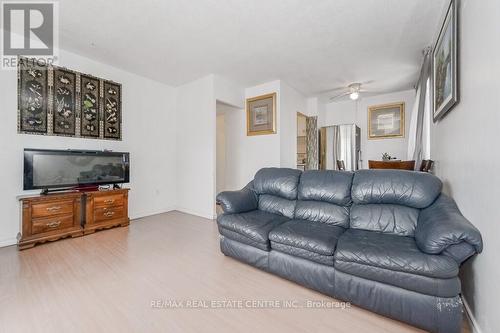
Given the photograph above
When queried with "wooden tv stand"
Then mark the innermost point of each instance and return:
(54, 216)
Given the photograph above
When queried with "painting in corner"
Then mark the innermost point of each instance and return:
(261, 115)
(444, 65)
(386, 121)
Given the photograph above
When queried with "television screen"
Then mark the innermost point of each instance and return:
(59, 168)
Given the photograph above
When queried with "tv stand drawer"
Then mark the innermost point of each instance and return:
(52, 208)
(105, 214)
(111, 200)
(52, 223)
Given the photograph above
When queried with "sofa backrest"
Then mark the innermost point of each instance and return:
(324, 196)
(277, 190)
(390, 201)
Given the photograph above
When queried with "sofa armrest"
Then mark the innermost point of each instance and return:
(241, 201)
(441, 226)
(460, 252)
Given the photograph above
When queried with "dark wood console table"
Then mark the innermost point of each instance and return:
(401, 165)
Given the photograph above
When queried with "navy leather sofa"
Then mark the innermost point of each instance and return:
(386, 240)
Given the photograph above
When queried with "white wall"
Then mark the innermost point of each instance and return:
(465, 147)
(196, 107)
(228, 92)
(313, 107)
(196, 147)
(220, 152)
(148, 134)
(291, 102)
(257, 151)
(356, 112)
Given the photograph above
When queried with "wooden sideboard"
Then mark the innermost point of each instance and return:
(54, 216)
(49, 217)
(105, 209)
(400, 165)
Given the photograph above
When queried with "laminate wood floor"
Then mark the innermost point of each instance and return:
(107, 281)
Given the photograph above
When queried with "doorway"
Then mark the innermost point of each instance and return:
(301, 141)
(226, 117)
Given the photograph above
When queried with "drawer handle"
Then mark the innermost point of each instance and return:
(54, 224)
(109, 214)
(53, 208)
(109, 201)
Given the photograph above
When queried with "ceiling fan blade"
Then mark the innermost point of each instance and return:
(340, 95)
(372, 91)
(333, 90)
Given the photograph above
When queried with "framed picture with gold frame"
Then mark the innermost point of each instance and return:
(386, 121)
(261, 114)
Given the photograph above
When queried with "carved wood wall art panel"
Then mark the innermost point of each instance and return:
(112, 110)
(90, 102)
(64, 101)
(57, 101)
(33, 93)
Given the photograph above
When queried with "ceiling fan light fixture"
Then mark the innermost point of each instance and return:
(354, 95)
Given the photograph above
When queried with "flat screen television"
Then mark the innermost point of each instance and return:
(50, 169)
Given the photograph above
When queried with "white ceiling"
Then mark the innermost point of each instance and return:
(313, 45)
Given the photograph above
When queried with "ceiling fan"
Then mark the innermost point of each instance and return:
(353, 90)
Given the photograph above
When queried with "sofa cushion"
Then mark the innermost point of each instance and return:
(324, 196)
(398, 187)
(310, 240)
(324, 212)
(392, 252)
(386, 218)
(327, 186)
(234, 236)
(301, 253)
(449, 287)
(281, 182)
(254, 225)
(277, 205)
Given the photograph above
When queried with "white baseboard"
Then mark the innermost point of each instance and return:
(151, 213)
(192, 212)
(470, 316)
(8, 242)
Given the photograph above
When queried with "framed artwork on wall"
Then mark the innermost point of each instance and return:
(112, 106)
(33, 96)
(64, 102)
(444, 76)
(386, 121)
(261, 115)
(90, 106)
(58, 101)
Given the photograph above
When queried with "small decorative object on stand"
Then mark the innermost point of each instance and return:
(387, 157)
